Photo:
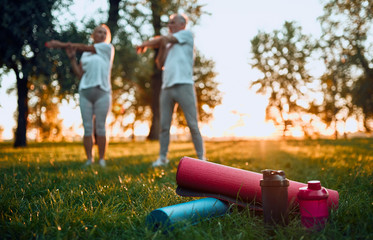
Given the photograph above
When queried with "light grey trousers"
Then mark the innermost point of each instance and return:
(184, 95)
(94, 102)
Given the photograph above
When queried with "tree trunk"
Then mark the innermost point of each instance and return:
(156, 87)
(335, 129)
(157, 75)
(112, 21)
(366, 124)
(20, 136)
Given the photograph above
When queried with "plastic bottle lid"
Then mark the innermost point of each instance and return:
(313, 191)
(314, 185)
(274, 178)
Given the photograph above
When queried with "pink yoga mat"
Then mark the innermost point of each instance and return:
(196, 178)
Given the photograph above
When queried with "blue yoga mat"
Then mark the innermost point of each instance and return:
(190, 212)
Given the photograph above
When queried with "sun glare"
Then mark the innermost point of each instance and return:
(242, 115)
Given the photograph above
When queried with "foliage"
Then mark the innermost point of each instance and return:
(26, 26)
(47, 91)
(128, 69)
(47, 194)
(345, 86)
(208, 94)
(348, 82)
(60, 71)
(336, 106)
(281, 57)
(44, 110)
(132, 76)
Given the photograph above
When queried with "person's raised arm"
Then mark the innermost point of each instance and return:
(78, 46)
(159, 42)
(156, 42)
(77, 68)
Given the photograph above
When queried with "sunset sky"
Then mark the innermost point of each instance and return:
(224, 36)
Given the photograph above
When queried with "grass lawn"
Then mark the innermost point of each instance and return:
(46, 193)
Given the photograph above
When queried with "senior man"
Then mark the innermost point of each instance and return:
(176, 57)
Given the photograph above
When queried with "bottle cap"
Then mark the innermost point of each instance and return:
(313, 191)
(314, 185)
(274, 178)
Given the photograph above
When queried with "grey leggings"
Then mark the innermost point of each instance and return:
(184, 95)
(94, 102)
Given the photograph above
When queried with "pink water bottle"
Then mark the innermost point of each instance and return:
(313, 205)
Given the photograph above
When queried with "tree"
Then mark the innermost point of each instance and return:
(156, 78)
(336, 105)
(130, 85)
(346, 27)
(113, 14)
(281, 56)
(25, 27)
(44, 109)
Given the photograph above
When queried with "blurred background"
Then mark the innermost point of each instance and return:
(263, 69)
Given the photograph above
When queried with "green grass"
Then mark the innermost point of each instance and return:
(45, 193)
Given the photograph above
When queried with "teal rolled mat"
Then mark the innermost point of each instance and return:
(186, 213)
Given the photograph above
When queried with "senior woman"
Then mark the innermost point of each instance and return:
(94, 72)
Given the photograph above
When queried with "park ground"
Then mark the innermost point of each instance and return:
(46, 193)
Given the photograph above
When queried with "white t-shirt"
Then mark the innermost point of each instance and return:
(97, 67)
(178, 67)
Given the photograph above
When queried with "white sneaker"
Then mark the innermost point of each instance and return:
(160, 162)
(102, 163)
(89, 162)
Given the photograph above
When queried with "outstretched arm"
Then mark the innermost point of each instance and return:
(152, 43)
(78, 46)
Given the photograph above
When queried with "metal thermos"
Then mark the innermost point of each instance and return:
(274, 186)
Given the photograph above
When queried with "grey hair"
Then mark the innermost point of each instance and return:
(182, 17)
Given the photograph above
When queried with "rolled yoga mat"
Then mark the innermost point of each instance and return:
(196, 178)
(190, 212)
